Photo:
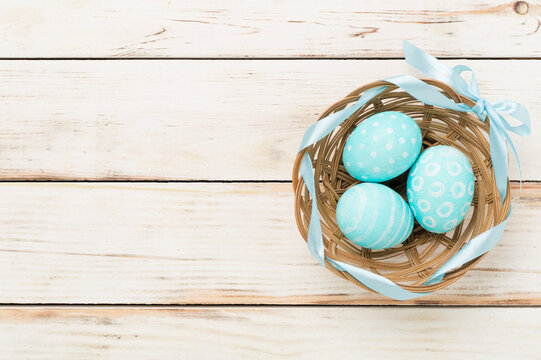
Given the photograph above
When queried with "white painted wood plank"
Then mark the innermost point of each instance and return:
(269, 333)
(221, 28)
(210, 244)
(169, 119)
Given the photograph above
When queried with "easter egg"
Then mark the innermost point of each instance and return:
(440, 188)
(382, 147)
(374, 216)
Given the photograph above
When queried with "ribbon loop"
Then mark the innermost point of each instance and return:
(461, 85)
(518, 112)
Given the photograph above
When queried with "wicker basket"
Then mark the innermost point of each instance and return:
(423, 253)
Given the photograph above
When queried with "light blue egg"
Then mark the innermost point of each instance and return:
(374, 216)
(440, 188)
(382, 147)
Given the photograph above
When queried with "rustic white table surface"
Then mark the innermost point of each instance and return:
(146, 208)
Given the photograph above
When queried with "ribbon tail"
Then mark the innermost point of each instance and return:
(517, 111)
(499, 138)
(498, 154)
(520, 113)
(515, 154)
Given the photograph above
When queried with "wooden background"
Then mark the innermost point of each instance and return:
(145, 157)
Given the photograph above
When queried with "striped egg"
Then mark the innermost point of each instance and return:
(440, 188)
(374, 216)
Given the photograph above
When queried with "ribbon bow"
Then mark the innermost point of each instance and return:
(499, 126)
(498, 137)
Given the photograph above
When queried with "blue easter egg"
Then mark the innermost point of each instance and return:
(374, 216)
(440, 188)
(382, 147)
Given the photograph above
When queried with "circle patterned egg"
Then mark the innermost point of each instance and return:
(440, 188)
(374, 216)
(382, 147)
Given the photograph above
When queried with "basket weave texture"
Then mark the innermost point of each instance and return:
(413, 262)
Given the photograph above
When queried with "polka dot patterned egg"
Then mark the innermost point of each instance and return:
(382, 147)
(440, 188)
(374, 216)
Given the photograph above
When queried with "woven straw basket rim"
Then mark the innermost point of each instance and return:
(412, 263)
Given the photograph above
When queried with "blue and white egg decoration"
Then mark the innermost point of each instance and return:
(382, 147)
(374, 216)
(440, 188)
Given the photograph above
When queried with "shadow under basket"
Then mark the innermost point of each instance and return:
(411, 263)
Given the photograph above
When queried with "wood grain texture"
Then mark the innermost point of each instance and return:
(193, 120)
(269, 333)
(210, 244)
(180, 246)
(221, 28)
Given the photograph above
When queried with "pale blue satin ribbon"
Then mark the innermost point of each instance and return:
(499, 126)
(498, 138)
